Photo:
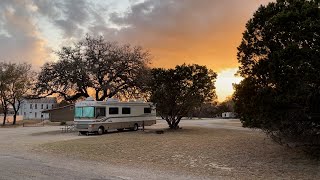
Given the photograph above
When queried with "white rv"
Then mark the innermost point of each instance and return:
(100, 116)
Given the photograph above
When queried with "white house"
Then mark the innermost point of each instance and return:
(31, 108)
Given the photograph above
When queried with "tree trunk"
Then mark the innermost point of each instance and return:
(4, 119)
(14, 118)
(16, 109)
(169, 122)
(176, 124)
(173, 123)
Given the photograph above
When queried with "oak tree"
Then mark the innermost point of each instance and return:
(279, 60)
(178, 91)
(96, 66)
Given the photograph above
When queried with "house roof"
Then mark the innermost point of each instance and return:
(49, 110)
(42, 100)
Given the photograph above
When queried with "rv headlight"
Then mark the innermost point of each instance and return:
(91, 125)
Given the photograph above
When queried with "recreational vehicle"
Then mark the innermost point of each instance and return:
(100, 116)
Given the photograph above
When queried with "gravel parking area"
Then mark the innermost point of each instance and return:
(201, 152)
(203, 149)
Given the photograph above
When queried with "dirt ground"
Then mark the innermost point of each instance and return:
(210, 151)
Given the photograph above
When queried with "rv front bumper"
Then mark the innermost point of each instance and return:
(86, 127)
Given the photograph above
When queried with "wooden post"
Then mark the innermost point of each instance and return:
(143, 125)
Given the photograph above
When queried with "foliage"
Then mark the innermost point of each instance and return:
(280, 62)
(225, 106)
(206, 110)
(63, 103)
(94, 65)
(212, 109)
(178, 91)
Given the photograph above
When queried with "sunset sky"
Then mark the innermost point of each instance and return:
(205, 32)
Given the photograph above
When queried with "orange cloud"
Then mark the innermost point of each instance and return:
(205, 32)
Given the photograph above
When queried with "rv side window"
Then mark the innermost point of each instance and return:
(147, 110)
(100, 111)
(126, 110)
(113, 110)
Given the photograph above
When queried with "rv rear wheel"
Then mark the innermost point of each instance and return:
(100, 130)
(135, 127)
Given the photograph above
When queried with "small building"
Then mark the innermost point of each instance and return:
(32, 108)
(227, 115)
(61, 114)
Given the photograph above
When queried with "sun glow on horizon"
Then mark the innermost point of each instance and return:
(224, 83)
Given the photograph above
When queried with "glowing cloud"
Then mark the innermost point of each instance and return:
(224, 83)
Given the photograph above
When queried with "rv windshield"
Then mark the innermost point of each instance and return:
(84, 112)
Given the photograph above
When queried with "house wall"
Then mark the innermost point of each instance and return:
(62, 115)
(33, 110)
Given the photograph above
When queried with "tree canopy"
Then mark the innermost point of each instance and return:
(178, 91)
(279, 59)
(16, 80)
(96, 66)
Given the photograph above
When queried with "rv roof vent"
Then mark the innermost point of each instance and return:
(89, 99)
(113, 100)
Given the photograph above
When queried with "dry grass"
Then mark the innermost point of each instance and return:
(205, 152)
(10, 126)
(30, 122)
(229, 123)
(20, 123)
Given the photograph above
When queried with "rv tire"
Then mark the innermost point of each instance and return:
(100, 130)
(135, 127)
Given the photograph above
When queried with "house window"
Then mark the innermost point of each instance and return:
(113, 110)
(24, 113)
(147, 110)
(35, 114)
(41, 106)
(126, 110)
(31, 107)
(47, 106)
(35, 106)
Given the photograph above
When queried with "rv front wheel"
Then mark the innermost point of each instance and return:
(100, 130)
(135, 127)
